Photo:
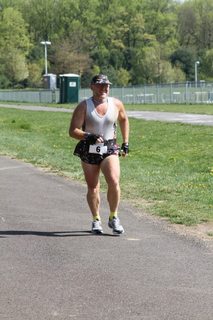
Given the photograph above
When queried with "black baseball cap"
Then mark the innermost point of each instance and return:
(100, 79)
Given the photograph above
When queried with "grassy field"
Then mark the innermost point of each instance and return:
(183, 108)
(169, 171)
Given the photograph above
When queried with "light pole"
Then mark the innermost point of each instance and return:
(196, 64)
(45, 43)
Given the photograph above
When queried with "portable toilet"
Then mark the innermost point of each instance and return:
(69, 88)
(49, 81)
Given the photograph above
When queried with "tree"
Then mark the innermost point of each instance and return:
(140, 41)
(171, 74)
(42, 18)
(14, 46)
(187, 25)
(184, 58)
(207, 64)
(66, 58)
(13, 31)
(35, 70)
(204, 12)
(123, 77)
(16, 66)
(160, 18)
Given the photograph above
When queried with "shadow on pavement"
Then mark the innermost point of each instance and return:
(81, 233)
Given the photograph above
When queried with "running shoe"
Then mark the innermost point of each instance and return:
(96, 227)
(115, 225)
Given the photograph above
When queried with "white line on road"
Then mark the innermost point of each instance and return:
(8, 168)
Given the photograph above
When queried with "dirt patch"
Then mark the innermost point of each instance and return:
(203, 231)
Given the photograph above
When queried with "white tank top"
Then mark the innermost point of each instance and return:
(103, 125)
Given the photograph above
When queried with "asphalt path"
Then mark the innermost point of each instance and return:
(195, 119)
(52, 267)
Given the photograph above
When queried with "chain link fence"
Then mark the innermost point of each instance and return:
(178, 93)
(182, 93)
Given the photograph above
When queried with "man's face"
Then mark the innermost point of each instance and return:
(100, 90)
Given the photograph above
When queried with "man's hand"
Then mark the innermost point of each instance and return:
(125, 149)
(92, 138)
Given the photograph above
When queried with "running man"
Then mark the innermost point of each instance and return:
(94, 123)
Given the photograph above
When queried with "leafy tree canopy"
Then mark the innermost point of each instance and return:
(135, 42)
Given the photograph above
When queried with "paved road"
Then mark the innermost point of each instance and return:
(196, 119)
(52, 267)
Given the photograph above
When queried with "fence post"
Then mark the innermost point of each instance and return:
(53, 96)
(144, 100)
(171, 100)
(157, 87)
(133, 93)
(186, 93)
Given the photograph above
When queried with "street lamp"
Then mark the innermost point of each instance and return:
(196, 64)
(45, 43)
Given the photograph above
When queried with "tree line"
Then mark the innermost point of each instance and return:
(134, 42)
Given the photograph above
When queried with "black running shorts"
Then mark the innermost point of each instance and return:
(82, 151)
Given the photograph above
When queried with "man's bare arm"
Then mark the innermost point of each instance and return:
(77, 121)
(123, 121)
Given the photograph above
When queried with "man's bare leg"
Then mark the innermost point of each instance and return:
(110, 167)
(91, 173)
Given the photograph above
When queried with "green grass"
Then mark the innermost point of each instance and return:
(210, 234)
(182, 108)
(169, 171)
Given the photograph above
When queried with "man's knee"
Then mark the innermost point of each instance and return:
(93, 190)
(113, 184)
